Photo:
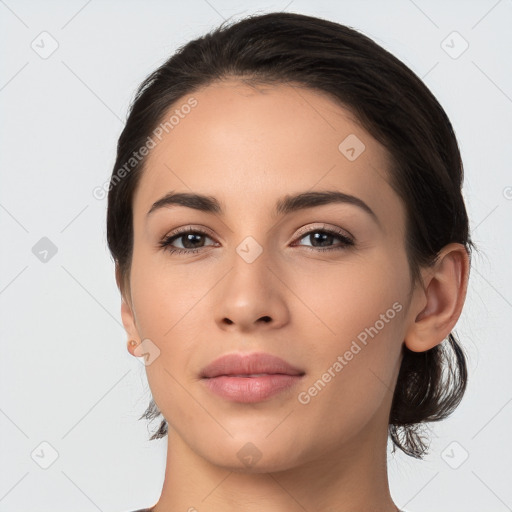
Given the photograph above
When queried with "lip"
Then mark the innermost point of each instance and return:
(230, 376)
(247, 364)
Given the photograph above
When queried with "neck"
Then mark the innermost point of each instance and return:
(351, 479)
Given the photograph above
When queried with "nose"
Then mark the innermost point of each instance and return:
(251, 296)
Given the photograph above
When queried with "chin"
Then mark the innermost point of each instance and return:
(259, 455)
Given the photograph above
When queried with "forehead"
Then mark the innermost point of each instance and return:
(248, 145)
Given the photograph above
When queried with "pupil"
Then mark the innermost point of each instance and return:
(324, 237)
(189, 238)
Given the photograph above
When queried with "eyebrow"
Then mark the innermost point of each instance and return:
(284, 205)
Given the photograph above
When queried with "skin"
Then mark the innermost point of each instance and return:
(248, 147)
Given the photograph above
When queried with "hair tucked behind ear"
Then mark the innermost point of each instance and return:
(389, 101)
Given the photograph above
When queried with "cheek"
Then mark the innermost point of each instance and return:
(166, 304)
(164, 296)
(344, 298)
(353, 347)
(356, 314)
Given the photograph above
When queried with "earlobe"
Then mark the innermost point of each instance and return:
(444, 292)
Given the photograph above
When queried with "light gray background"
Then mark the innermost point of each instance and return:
(66, 376)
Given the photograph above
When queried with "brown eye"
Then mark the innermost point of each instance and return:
(191, 240)
(324, 238)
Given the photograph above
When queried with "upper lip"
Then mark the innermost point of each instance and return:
(246, 364)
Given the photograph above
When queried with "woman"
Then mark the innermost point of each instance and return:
(292, 250)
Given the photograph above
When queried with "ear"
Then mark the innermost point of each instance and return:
(128, 318)
(127, 312)
(438, 305)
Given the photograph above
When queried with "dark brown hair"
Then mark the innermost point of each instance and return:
(389, 101)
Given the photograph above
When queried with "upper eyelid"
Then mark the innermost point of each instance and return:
(324, 227)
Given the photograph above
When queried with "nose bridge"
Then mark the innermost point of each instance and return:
(254, 259)
(253, 237)
(251, 260)
(251, 291)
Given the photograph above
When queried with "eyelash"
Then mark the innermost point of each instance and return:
(165, 243)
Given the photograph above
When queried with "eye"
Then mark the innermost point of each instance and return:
(190, 238)
(325, 236)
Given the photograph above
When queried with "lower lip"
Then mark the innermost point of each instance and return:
(250, 389)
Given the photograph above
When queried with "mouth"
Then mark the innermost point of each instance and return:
(250, 378)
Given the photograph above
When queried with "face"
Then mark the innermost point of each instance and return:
(324, 287)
